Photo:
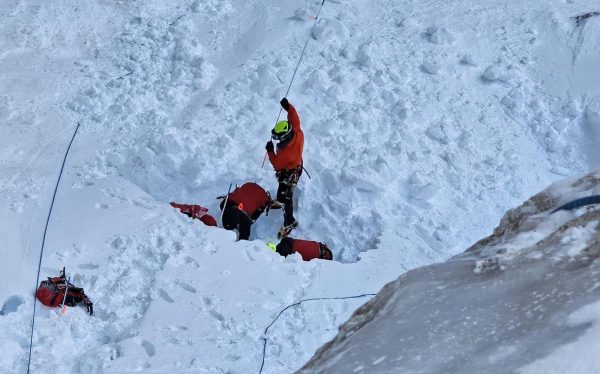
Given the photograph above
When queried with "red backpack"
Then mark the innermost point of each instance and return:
(51, 293)
(250, 198)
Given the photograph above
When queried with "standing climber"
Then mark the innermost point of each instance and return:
(287, 162)
(243, 206)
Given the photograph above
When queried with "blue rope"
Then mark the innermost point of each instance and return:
(590, 200)
(44, 242)
(296, 304)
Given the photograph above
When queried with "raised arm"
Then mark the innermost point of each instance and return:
(293, 118)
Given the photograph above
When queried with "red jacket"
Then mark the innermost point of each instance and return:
(250, 198)
(308, 249)
(197, 212)
(290, 157)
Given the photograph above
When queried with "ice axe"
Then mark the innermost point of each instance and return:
(225, 203)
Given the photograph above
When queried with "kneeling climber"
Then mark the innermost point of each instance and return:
(287, 162)
(308, 249)
(243, 206)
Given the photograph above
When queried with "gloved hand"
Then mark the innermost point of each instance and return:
(269, 147)
(285, 104)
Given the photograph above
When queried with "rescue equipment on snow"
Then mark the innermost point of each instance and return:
(58, 291)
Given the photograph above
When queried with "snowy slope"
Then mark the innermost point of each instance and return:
(424, 122)
(525, 299)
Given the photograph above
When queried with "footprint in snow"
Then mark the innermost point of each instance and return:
(165, 296)
(89, 266)
(210, 249)
(176, 328)
(186, 286)
(11, 305)
(248, 256)
(149, 348)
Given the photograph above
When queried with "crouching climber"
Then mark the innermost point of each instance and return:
(196, 212)
(308, 249)
(242, 207)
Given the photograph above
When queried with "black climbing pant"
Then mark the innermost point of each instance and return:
(285, 195)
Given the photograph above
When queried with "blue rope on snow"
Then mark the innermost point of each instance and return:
(44, 242)
(296, 304)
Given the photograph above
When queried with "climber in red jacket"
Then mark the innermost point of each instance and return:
(287, 162)
(244, 205)
(308, 249)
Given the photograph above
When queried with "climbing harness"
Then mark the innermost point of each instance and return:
(225, 203)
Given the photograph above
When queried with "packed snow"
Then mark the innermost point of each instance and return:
(424, 122)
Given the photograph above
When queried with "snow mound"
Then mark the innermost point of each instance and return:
(525, 297)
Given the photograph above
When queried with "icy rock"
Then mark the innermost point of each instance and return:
(592, 119)
(92, 91)
(591, 128)
(301, 14)
(408, 22)
(348, 51)
(81, 104)
(468, 60)
(266, 78)
(439, 35)
(317, 81)
(114, 159)
(560, 124)
(419, 189)
(573, 109)
(204, 73)
(401, 109)
(431, 67)
(344, 14)
(196, 6)
(437, 133)
(329, 30)
(363, 56)
(335, 92)
(394, 76)
(493, 74)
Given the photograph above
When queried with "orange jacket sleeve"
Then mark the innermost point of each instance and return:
(293, 118)
(274, 160)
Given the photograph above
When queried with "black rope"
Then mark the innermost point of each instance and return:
(296, 304)
(301, 56)
(44, 241)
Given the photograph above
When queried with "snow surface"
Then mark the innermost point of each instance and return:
(424, 122)
(523, 300)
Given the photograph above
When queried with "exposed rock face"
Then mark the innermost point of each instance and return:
(500, 306)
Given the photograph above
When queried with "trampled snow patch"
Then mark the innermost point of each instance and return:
(157, 65)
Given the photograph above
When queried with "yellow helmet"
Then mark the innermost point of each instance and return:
(272, 246)
(281, 130)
